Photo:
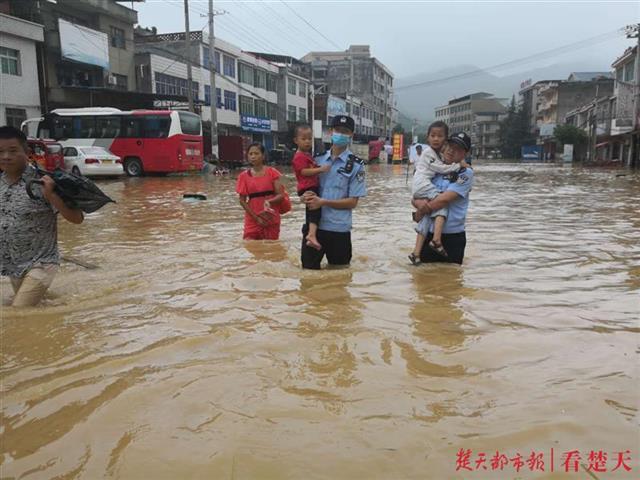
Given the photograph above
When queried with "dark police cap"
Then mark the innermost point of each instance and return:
(461, 139)
(343, 121)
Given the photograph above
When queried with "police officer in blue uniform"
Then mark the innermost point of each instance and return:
(455, 189)
(340, 189)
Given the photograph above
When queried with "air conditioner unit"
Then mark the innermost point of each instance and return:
(111, 79)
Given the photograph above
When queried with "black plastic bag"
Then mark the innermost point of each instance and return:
(74, 190)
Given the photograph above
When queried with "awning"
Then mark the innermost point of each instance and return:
(601, 144)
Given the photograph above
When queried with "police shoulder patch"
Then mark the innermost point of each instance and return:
(360, 175)
(462, 179)
(356, 159)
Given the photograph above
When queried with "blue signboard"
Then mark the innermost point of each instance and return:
(336, 106)
(250, 123)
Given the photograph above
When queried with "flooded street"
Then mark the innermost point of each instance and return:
(191, 354)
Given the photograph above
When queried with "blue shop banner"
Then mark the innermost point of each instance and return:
(255, 124)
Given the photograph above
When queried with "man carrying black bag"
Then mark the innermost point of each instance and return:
(28, 226)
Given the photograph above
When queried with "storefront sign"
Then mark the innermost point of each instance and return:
(336, 106)
(398, 147)
(250, 123)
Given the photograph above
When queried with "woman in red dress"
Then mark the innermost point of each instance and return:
(259, 189)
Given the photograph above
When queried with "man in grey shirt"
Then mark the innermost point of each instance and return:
(28, 227)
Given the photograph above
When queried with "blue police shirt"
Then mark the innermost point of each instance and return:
(458, 208)
(337, 184)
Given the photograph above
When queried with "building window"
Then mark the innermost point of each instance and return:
(291, 113)
(207, 96)
(246, 105)
(629, 70)
(205, 58)
(302, 89)
(10, 61)
(273, 111)
(292, 86)
(118, 82)
(230, 100)
(117, 38)
(229, 66)
(260, 79)
(261, 108)
(15, 116)
(272, 83)
(245, 74)
(302, 114)
(170, 85)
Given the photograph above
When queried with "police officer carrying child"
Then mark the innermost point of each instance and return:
(340, 189)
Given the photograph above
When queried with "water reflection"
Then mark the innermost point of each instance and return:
(189, 353)
(437, 313)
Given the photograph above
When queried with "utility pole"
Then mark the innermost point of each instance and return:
(312, 93)
(213, 97)
(187, 48)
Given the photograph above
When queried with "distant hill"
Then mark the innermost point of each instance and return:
(420, 102)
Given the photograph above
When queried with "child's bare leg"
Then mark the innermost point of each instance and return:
(438, 226)
(415, 255)
(436, 241)
(312, 239)
(419, 244)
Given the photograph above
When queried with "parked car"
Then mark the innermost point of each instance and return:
(281, 155)
(92, 161)
(47, 154)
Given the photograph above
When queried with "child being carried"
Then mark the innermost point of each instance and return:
(427, 166)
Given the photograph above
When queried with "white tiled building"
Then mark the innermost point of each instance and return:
(246, 85)
(19, 86)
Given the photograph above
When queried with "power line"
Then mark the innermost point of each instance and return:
(301, 34)
(254, 35)
(545, 54)
(277, 24)
(257, 38)
(311, 26)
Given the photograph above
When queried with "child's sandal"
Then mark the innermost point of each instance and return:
(438, 248)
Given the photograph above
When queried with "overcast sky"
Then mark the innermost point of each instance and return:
(412, 37)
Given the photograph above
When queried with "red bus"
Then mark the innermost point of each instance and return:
(148, 141)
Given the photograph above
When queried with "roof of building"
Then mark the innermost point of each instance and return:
(277, 59)
(588, 76)
(628, 53)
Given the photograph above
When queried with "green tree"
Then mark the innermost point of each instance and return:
(570, 135)
(514, 131)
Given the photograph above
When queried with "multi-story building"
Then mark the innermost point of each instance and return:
(354, 72)
(595, 119)
(625, 125)
(20, 41)
(478, 114)
(249, 97)
(531, 99)
(485, 133)
(557, 99)
(88, 54)
(293, 89)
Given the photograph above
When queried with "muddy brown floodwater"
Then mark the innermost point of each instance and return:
(190, 354)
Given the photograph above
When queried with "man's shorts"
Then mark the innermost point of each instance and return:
(30, 289)
(335, 245)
